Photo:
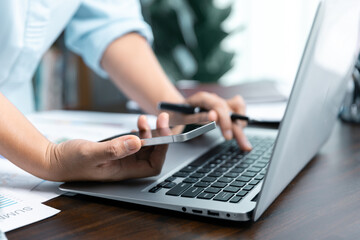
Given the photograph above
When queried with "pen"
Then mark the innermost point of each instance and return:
(188, 109)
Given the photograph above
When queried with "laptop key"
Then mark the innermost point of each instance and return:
(258, 152)
(222, 169)
(223, 196)
(204, 170)
(254, 182)
(232, 161)
(237, 184)
(237, 170)
(249, 161)
(243, 179)
(190, 180)
(181, 174)
(216, 161)
(260, 165)
(227, 165)
(225, 179)
(192, 192)
(244, 165)
(197, 175)
(249, 174)
(231, 189)
(178, 189)
(223, 157)
(215, 174)
(212, 190)
(170, 185)
(202, 184)
(210, 165)
(248, 187)
(235, 199)
(262, 161)
(231, 175)
(259, 177)
(252, 157)
(170, 179)
(208, 179)
(254, 169)
(155, 189)
(219, 185)
(241, 193)
(162, 184)
(205, 195)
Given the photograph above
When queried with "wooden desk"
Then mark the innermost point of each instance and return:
(323, 202)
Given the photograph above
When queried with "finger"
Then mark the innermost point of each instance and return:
(114, 149)
(144, 128)
(212, 116)
(237, 105)
(162, 120)
(142, 123)
(219, 105)
(241, 138)
(162, 124)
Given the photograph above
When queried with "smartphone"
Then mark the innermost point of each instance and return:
(179, 133)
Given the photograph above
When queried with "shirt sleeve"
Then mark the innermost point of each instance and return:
(99, 22)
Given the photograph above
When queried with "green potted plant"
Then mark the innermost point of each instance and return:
(188, 36)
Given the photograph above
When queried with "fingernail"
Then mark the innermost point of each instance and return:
(131, 144)
(228, 134)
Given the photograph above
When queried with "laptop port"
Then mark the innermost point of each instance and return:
(212, 213)
(197, 211)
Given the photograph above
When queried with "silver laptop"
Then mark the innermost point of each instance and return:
(211, 177)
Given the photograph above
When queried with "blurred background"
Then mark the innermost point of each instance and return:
(233, 43)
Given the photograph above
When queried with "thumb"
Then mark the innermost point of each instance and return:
(117, 148)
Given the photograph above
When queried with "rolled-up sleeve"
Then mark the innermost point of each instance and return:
(97, 23)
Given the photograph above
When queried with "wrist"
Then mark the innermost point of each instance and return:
(50, 162)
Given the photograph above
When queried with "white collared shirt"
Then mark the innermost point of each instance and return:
(29, 27)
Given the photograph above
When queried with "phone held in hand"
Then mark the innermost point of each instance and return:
(179, 133)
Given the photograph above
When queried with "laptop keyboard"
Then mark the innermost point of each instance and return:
(224, 174)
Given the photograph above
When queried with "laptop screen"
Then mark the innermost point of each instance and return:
(327, 62)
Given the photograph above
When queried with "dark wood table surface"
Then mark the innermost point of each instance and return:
(323, 202)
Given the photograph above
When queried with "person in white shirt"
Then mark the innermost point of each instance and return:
(112, 38)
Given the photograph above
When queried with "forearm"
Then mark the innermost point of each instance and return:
(133, 67)
(20, 142)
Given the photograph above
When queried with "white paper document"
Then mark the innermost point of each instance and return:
(268, 112)
(15, 212)
(16, 179)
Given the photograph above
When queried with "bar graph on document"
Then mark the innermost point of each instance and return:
(15, 212)
(16, 179)
(6, 201)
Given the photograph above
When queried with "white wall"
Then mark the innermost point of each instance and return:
(273, 40)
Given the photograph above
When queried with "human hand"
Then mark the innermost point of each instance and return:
(118, 159)
(220, 112)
